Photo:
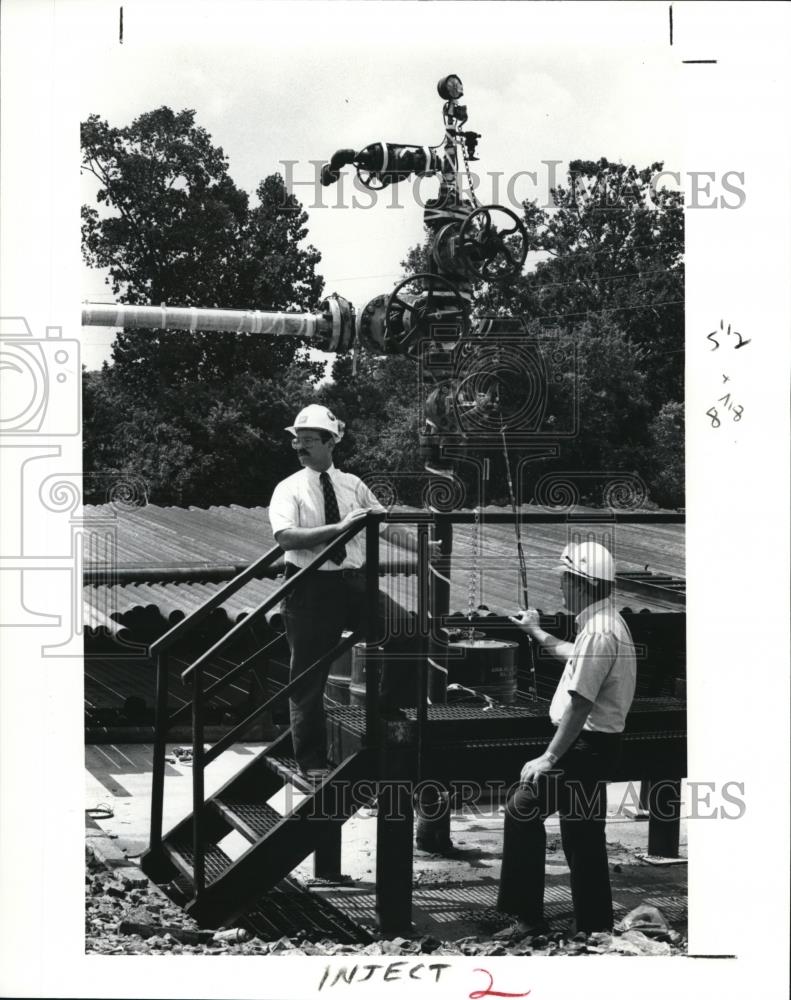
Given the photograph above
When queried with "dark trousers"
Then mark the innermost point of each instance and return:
(315, 614)
(576, 790)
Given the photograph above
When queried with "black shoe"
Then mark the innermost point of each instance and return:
(314, 775)
(446, 849)
(521, 930)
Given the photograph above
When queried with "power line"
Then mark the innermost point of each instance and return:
(607, 309)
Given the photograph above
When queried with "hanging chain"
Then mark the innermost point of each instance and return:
(463, 150)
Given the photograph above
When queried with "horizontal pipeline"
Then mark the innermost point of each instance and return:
(271, 324)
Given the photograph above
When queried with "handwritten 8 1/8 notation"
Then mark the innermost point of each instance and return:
(735, 408)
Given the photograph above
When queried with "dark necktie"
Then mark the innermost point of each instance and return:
(331, 513)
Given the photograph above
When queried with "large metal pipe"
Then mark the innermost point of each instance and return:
(314, 326)
(122, 575)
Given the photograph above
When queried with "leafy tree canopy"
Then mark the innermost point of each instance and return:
(612, 244)
(199, 416)
(174, 228)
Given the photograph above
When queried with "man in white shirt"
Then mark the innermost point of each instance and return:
(307, 511)
(589, 710)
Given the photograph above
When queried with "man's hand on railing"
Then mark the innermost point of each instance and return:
(323, 534)
(353, 516)
(403, 538)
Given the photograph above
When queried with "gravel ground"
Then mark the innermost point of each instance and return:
(125, 916)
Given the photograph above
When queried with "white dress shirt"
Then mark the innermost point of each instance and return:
(602, 668)
(298, 502)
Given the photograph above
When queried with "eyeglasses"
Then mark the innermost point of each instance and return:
(305, 442)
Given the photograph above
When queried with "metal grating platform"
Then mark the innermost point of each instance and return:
(452, 909)
(349, 717)
(461, 712)
(288, 909)
(352, 717)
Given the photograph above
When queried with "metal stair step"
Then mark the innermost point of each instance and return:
(287, 767)
(253, 818)
(180, 850)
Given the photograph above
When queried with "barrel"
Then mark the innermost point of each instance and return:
(489, 666)
(337, 688)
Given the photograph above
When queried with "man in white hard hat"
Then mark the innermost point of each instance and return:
(589, 710)
(307, 511)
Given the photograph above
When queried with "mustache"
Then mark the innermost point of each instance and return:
(303, 453)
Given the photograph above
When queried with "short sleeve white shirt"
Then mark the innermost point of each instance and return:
(298, 502)
(602, 668)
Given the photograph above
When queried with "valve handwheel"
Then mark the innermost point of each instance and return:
(372, 180)
(398, 308)
(484, 246)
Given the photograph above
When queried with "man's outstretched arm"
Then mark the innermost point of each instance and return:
(311, 538)
(528, 622)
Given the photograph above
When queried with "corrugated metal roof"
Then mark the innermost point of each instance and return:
(171, 537)
(151, 536)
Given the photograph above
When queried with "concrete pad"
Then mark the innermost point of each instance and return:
(120, 776)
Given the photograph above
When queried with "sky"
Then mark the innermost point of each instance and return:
(274, 83)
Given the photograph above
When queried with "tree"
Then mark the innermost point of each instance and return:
(613, 244)
(177, 229)
(193, 445)
(198, 416)
(379, 404)
(667, 451)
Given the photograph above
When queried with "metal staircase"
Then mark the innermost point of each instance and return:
(277, 841)
(220, 887)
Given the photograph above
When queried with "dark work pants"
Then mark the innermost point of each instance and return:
(315, 614)
(577, 791)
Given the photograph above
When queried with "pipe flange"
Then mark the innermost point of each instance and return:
(339, 313)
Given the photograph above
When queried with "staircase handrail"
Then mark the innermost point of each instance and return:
(274, 598)
(200, 614)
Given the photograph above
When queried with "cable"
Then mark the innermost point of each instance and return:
(520, 555)
(606, 309)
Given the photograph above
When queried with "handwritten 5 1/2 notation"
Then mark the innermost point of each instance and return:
(728, 333)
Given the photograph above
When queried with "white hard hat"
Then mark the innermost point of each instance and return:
(316, 417)
(589, 560)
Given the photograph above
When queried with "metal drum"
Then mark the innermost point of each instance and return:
(337, 688)
(489, 666)
(361, 654)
